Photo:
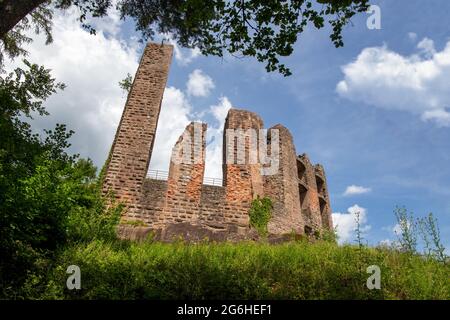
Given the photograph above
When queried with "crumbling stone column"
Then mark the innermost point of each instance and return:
(242, 170)
(131, 151)
(310, 204)
(187, 167)
(324, 197)
(283, 187)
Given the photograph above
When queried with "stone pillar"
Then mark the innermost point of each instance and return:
(310, 196)
(187, 168)
(283, 187)
(187, 164)
(131, 151)
(324, 197)
(242, 170)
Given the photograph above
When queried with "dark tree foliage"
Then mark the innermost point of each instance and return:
(47, 197)
(263, 29)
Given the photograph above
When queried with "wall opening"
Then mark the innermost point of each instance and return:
(301, 169)
(322, 204)
(302, 193)
(308, 230)
(320, 184)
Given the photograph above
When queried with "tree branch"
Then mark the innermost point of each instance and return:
(12, 11)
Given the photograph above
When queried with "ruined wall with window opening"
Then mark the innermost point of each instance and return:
(183, 206)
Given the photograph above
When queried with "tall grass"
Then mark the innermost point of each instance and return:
(298, 270)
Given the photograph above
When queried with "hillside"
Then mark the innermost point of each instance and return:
(296, 270)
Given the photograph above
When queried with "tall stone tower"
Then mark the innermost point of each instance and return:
(131, 151)
(242, 174)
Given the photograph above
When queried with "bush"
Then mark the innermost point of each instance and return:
(48, 198)
(260, 213)
(126, 270)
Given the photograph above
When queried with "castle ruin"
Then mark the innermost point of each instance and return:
(183, 206)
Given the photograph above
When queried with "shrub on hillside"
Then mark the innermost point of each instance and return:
(297, 270)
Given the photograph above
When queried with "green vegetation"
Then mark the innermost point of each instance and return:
(263, 30)
(260, 213)
(126, 83)
(48, 199)
(53, 215)
(297, 270)
(135, 223)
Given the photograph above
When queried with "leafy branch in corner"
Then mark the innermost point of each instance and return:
(265, 30)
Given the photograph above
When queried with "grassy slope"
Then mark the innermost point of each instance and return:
(123, 270)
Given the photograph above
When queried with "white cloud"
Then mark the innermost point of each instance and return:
(440, 116)
(397, 229)
(417, 84)
(175, 115)
(182, 55)
(111, 23)
(355, 190)
(385, 243)
(345, 223)
(93, 102)
(220, 111)
(199, 84)
(412, 36)
(91, 67)
(427, 47)
(214, 151)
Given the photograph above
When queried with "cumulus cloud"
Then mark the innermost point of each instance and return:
(417, 83)
(93, 102)
(111, 23)
(397, 229)
(199, 84)
(386, 243)
(393, 230)
(412, 36)
(345, 223)
(175, 115)
(91, 66)
(426, 47)
(355, 190)
(182, 55)
(214, 151)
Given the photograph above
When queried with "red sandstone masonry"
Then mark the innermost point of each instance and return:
(132, 147)
(283, 187)
(187, 167)
(243, 181)
(183, 206)
(324, 197)
(311, 204)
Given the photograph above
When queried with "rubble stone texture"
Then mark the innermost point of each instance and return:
(184, 207)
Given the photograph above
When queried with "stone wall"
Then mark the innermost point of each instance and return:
(282, 187)
(131, 151)
(183, 206)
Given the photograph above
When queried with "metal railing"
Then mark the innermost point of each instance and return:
(213, 181)
(158, 174)
(164, 175)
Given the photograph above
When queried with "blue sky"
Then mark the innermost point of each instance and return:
(373, 112)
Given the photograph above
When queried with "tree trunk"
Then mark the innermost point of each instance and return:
(12, 11)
